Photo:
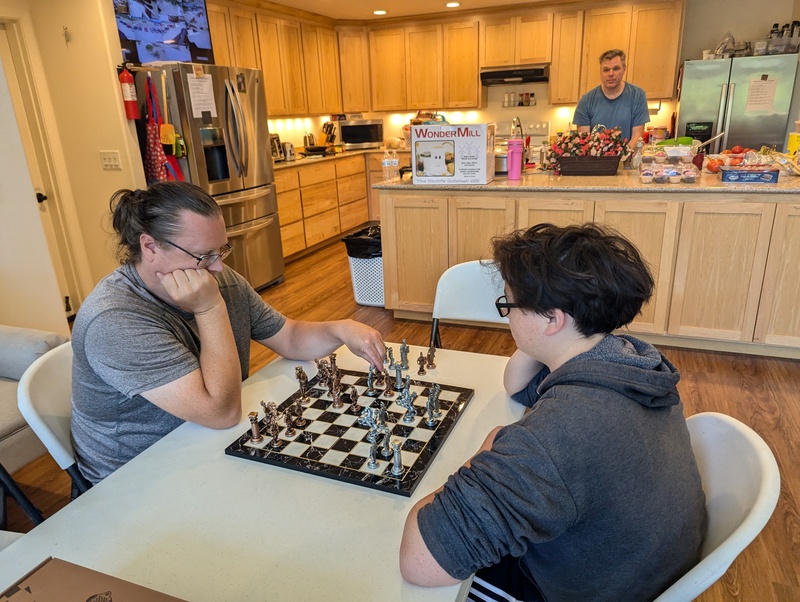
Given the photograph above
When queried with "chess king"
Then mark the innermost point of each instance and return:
(570, 493)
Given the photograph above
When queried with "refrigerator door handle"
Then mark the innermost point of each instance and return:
(728, 112)
(243, 141)
(232, 125)
(721, 115)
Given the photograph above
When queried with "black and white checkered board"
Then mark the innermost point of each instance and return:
(332, 444)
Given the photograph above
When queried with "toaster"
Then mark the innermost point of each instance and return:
(288, 151)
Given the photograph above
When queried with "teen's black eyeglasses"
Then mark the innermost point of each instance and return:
(203, 261)
(503, 306)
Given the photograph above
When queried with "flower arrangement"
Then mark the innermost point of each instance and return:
(602, 143)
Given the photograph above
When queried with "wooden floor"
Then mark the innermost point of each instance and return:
(761, 392)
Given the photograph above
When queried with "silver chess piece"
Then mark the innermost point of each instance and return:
(421, 361)
(397, 461)
(404, 349)
(390, 357)
(255, 435)
(431, 356)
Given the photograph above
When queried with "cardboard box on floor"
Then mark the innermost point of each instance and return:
(452, 154)
(56, 580)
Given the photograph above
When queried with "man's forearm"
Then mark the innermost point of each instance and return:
(219, 361)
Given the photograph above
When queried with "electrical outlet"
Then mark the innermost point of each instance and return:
(110, 160)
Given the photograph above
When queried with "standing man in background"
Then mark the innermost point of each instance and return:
(614, 103)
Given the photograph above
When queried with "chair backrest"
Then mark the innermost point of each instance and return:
(44, 398)
(467, 291)
(741, 482)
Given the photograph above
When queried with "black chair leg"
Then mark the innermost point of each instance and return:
(80, 484)
(11, 487)
(436, 339)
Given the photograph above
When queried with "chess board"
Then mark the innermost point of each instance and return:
(333, 444)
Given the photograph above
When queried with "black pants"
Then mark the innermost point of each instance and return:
(503, 582)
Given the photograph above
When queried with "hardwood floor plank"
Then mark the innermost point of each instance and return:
(762, 392)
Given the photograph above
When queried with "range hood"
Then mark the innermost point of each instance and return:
(515, 75)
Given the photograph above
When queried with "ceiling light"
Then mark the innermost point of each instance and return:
(452, 4)
(378, 12)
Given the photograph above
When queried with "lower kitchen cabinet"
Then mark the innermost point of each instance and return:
(351, 187)
(778, 320)
(559, 211)
(473, 222)
(290, 211)
(719, 271)
(375, 175)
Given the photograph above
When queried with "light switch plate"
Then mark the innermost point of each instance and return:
(110, 159)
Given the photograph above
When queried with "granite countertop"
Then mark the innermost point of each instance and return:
(625, 181)
(300, 161)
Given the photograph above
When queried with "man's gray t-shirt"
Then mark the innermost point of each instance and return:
(626, 111)
(126, 341)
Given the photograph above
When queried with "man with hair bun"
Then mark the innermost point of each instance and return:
(165, 338)
(615, 102)
(594, 494)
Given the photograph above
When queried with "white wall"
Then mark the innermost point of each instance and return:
(30, 295)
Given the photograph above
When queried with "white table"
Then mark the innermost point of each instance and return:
(185, 519)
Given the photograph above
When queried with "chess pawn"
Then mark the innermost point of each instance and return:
(421, 361)
(255, 435)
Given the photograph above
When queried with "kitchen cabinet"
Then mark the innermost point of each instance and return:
(354, 68)
(565, 69)
(722, 255)
(280, 46)
(423, 56)
(387, 51)
(564, 211)
(290, 211)
(472, 223)
(375, 175)
(321, 63)
(351, 189)
(508, 40)
(462, 87)
(778, 321)
(604, 28)
(654, 57)
(219, 26)
(320, 202)
(653, 228)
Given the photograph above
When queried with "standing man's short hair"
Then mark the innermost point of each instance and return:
(612, 54)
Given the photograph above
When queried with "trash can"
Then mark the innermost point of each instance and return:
(366, 265)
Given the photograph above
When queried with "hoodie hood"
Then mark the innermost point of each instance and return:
(624, 364)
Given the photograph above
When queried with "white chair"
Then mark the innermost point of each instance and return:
(45, 400)
(7, 538)
(467, 292)
(741, 482)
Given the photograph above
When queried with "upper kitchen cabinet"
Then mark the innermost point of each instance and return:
(321, 60)
(423, 67)
(654, 57)
(354, 61)
(219, 25)
(516, 40)
(461, 83)
(565, 70)
(603, 29)
(280, 45)
(387, 51)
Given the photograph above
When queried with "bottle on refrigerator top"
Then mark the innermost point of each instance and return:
(395, 165)
(387, 165)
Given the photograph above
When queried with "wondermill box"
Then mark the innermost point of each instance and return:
(453, 154)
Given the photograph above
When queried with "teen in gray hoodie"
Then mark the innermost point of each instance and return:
(594, 494)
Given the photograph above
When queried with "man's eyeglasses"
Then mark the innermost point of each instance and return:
(203, 261)
(503, 306)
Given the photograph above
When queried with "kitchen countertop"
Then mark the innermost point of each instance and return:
(300, 161)
(624, 181)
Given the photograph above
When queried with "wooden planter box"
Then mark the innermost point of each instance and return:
(589, 166)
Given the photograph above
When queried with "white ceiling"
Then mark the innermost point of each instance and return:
(360, 10)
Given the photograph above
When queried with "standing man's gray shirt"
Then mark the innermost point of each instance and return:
(127, 341)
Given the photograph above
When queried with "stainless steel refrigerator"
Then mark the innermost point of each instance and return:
(221, 115)
(747, 98)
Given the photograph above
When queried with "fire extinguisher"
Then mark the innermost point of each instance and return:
(129, 94)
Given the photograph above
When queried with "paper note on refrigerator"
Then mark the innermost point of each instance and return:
(761, 95)
(201, 93)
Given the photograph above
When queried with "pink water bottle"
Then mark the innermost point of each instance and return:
(514, 158)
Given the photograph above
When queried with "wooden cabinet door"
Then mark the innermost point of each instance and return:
(473, 221)
(331, 77)
(778, 320)
(534, 38)
(219, 27)
(565, 69)
(354, 69)
(603, 29)
(413, 263)
(653, 60)
(498, 41)
(313, 70)
(270, 50)
(423, 56)
(461, 82)
(387, 51)
(293, 68)
(722, 254)
(560, 212)
(244, 32)
(653, 228)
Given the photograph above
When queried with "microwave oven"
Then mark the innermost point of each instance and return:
(361, 133)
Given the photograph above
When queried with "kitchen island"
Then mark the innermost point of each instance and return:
(724, 256)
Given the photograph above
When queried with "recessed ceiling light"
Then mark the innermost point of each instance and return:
(378, 12)
(452, 4)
